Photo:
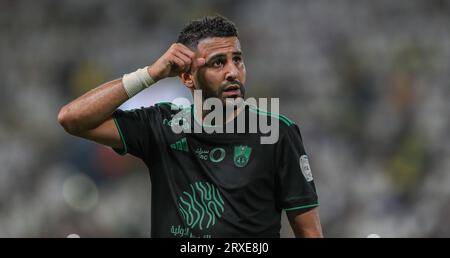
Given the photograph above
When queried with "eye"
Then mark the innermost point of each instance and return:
(237, 59)
(218, 63)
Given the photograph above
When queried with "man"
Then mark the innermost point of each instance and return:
(203, 185)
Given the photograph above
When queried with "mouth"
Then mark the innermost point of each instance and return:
(233, 90)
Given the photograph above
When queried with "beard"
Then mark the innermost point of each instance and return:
(228, 90)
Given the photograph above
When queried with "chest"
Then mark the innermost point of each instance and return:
(234, 160)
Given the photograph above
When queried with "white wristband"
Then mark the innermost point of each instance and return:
(137, 81)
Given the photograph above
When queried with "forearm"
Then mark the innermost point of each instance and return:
(96, 106)
(93, 108)
(311, 231)
(306, 223)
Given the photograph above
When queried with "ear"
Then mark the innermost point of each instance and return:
(187, 79)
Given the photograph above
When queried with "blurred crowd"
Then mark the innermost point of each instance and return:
(366, 81)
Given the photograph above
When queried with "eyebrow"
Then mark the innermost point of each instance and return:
(237, 53)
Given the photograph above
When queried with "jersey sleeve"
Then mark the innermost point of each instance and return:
(294, 182)
(136, 131)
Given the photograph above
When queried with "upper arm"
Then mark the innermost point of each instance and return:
(305, 223)
(127, 132)
(106, 134)
(295, 188)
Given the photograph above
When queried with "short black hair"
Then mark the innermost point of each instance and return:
(210, 26)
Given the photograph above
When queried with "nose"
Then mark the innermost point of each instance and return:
(232, 72)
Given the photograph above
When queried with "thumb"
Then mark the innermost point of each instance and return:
(198, 62)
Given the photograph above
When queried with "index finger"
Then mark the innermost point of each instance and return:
(187, 51)
(197, 61)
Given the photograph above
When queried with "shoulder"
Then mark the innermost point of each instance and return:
(159, 111)
(288, 130)
(285, 123)
(168, 108)
(162, 109)
(167, 105)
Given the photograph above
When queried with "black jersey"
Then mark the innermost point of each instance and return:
(217, 185)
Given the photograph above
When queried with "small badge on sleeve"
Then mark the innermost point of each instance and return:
(305, 168)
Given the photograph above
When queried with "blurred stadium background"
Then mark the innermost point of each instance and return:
(367, 81)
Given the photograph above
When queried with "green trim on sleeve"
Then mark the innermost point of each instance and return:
(302, 207)
(125, 149)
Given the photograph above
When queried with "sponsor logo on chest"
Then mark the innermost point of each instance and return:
(241, 153)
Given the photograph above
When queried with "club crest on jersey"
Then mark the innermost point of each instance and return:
(242, 155)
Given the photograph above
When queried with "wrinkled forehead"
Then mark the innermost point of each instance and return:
(218, 45)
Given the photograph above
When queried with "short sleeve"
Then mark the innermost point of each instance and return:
(135, 131)
(294, 182)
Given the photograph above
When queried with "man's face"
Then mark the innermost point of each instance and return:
(223, 75)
